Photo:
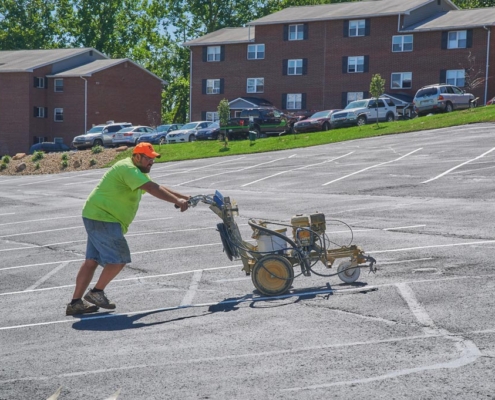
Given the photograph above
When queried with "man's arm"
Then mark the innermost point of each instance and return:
(166, 194)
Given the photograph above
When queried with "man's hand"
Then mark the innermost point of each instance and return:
(182, 204)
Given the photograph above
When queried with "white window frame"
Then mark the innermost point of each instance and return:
(257, 50)
(295, 67)
(212, 116)
(58, 114)
(296, 32)
(58, 88)
(255, 85)
(456, 77)
(294, 101)
(401, 43)
(353, 96)
(40, 82)
(213, 53)
(212, 86)
(401, 78)
(40, 112)
(356, 62)
(457, 40)
(357, 27)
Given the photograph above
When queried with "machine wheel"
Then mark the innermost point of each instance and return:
(162, 141)
(272, 275)
(361, 120)
(326, 126)
(98, 142)
(449, 107)
(346, 274)
(192, 138)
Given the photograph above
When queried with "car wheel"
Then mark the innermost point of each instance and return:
(258, 132)
(448, 107)
(326, 126)
(361, 120)
(162, 141)
(221, 136)
(390, 118)
(98, 142)
(192, 138)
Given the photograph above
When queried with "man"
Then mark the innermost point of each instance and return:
(107, 214)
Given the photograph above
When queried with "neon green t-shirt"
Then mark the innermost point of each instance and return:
(116, 198)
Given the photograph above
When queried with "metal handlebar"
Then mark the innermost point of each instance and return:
(194, 200)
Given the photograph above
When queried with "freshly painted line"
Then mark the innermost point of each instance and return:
(377, 229)
(6, 214)
(431, 247)
(46, 277)
(37, 232)
(373, 166)
(406, 261)
(228, 172)
(43, 181)
(193, 288)
(416, 308)
(38, 220)
(460, 165)
(296, 169)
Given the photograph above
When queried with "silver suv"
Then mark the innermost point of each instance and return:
(442, 97)
(361, 112)
(99, 135)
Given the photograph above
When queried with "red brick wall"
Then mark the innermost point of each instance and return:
(324, 50)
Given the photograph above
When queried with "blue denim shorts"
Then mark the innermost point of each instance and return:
(106, 243)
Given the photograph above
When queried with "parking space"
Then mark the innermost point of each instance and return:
(189, 324)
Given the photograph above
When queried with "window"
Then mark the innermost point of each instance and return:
(296, 32)
(39, 112)
(294, 101)
(456, 77)
(355, 64)
(353, 96)
(212, 86)
(401, 80)
(256, 52)
(212, 116)
(213, 53)
(58, 114)
(402, 43)
(295, 67)
(59, 85)
(457, 40)
(39, 82)
(357, 27)
(255, 85)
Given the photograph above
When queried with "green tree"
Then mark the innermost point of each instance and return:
(474, 3)
(377, 88)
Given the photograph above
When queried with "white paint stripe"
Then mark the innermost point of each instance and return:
(295, 169)
(460, 165)
(378, 229)
(431, 246)
(193, 288)
(44, 181)
(416, 308)
(37, 220)
(37, 232)
(229, 172)
(6, 214)
(373, 166)
(46, 277)
(406, 261)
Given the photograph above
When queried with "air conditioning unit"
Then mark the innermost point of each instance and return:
(58, 140)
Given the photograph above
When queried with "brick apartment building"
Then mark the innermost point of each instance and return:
(57, 94)
(322, 57)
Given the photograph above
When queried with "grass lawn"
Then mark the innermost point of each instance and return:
(206, 149)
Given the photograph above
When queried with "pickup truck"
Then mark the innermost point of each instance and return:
(265, 121)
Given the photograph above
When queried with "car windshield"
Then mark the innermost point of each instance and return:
(96, 129)
(214, 125)
(356, 104)
(320, 114)
(190, 125)
(426, 92)
(163, 128)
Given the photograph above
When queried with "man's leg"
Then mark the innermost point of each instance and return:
(84, 277)
(109, 272)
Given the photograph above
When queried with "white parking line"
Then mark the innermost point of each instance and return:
(46, 277)
(372, 166)
(193, 288)
(38, 220)
(460, 165)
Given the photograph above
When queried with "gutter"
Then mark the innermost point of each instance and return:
(85, 104)
(487, 61)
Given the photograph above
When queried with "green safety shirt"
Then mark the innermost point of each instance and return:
(116, 198)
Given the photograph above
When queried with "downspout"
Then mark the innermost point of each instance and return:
(190, 83)
(487, 62)
(85, 104)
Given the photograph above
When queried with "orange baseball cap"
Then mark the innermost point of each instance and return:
(146, 149)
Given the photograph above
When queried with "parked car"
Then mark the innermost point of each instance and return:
(318, 122)
(48, 147)
(130, 135)
(442, 97)
(99, 135)
(361, 112)
(188, 132)
(211, 132)
(159, 135)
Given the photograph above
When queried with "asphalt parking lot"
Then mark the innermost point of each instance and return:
(189, 324)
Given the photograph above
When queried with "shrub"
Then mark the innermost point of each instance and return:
(92, 162)
(65, 156)
(97, 149)
(65, 163)
(37, 165)
(6, 159)
(38, 155)
(3, 166)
